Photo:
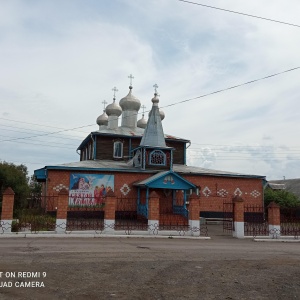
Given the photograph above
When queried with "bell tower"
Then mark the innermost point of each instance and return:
(152, 152)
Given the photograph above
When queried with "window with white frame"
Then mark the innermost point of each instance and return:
(158, 158)
(118, 149)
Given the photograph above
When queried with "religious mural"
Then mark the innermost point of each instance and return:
(89, 189)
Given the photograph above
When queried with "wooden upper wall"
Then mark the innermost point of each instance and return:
(105, 148)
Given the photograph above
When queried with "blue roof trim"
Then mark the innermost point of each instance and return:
(98, 169)
(84, 142)
(167, 180)
(41, 174)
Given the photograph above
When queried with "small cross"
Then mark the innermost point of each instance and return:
(114, 90)
(155, 87)
(104, 103)
(130, 77)
(143, 108)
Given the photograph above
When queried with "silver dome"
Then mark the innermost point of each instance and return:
(103, 119)
(142, 123)
(130, 102)
(162, 114)
(113, 109)
(155, 99)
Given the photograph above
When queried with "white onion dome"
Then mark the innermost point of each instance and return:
(103, 119)
(113, 109)
(162, 114)
(130, 102)
(142, 123)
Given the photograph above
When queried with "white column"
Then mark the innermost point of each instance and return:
(238, 230)
(274, 231)
(6, 226)
(194, 227)
(109, 226)
(153, 227)
(61, 225)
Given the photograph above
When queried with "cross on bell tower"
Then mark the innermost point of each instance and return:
(155, 88)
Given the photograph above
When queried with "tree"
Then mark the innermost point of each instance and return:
(35, 187)
(281, 197)
(16, 177)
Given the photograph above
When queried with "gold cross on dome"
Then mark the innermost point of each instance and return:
(130, 77)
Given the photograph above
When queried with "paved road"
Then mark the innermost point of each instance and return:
(151, 268)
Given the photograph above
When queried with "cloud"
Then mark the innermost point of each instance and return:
(60, 59)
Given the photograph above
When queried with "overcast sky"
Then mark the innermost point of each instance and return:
(59, 59)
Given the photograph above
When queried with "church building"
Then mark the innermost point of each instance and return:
(135, 158)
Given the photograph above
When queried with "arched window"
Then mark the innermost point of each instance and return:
(158, 158)
(118, 149)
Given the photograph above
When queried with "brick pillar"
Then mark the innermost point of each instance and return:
(110, 212)
(238, 217)
(194, 214)
(153, 213)
(7, 210)
(62, 209)
(274, 219)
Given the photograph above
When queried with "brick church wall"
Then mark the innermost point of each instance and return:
(213, 189)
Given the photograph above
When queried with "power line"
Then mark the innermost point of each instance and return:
(239, 13)
(173, 104)
(42, 144)
(253, 159)
(40, 124)
(214, 146)
(252, 149)
(236, 146)
(232, 87)
(46, 134)
(28, 132)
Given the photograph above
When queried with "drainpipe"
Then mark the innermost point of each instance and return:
(184, 153)
(264, 184)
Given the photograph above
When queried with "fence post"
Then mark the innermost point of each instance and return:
(62, 210)
(194, 214)
(153, 213)
(274, 219)
(7, 210)
(110, 212)
(238, 217)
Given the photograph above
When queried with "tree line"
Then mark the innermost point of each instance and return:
(16, 177)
